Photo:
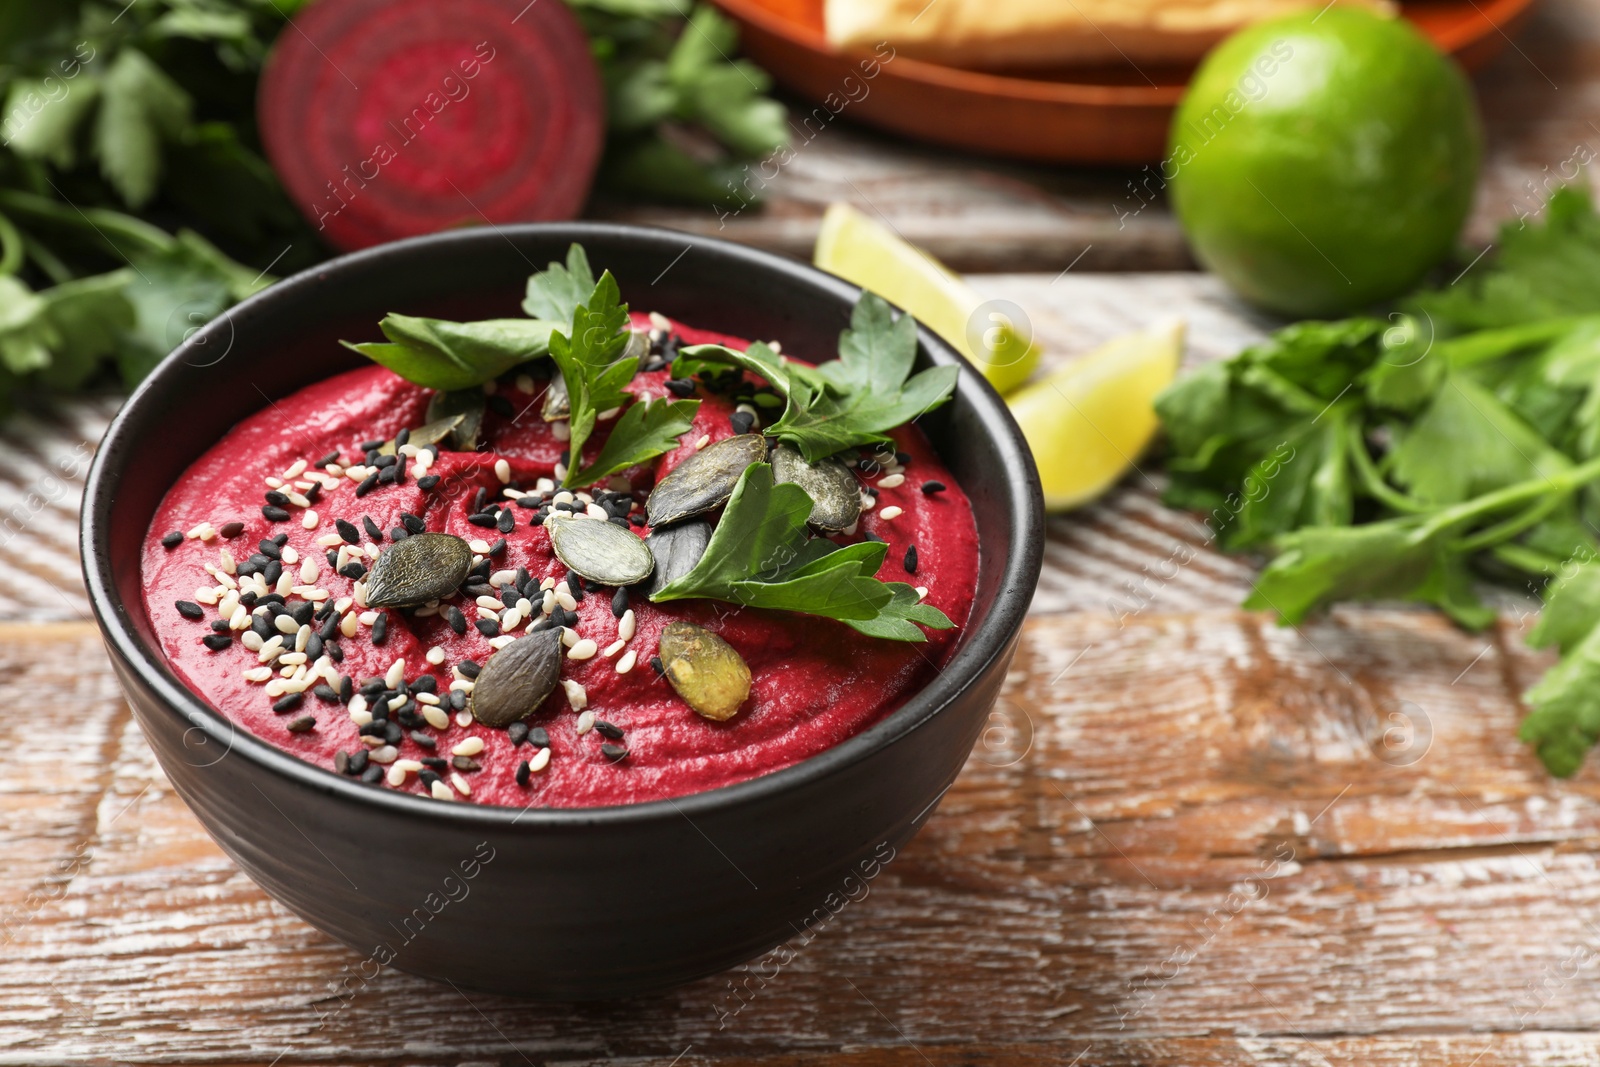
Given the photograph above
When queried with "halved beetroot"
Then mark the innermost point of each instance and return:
(390, 118)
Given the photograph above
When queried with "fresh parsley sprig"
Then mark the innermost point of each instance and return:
(761, 556)
(443, 355)
(1409, 458)
(853, 400)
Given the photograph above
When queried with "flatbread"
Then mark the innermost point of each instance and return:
(1050, 33)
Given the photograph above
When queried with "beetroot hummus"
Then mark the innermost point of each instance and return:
(252, 562)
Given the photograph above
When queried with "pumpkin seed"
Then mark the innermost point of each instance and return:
(557, 402)
(708, 674)
(835, 497)
(600, 551)
(705, 480)
(429, 433)
(469, 404)
(677, 550)
(516, 679)
(423, 567)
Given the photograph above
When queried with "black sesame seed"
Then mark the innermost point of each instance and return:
(412, 523)
(870, 491)
(524, 772)
(230, 530)
(304, 724)
(358, 761)
(348, 531)
(372, 775)
(375, 728)
(368, 484)
(217, 642)
(680, 387)
(262, 626)
(371, 446)
(509, 595)
(399, 533)
(371, 527)
(314, 494)
(469, 668)
(248, 599)
(436, 763)
(429, 778)
(608, 730)
(280, 539)
(619, 602)
(341, 761)
(190, 610)
(868, 535)
(325, 693)
(314, 647)
(392, 733)
(530, 502)
(402, 438)
(655, 665)
(614, 753)
(911, 560)
(517, 733)
(465, 763)
(426, 684)
(347, 688)
(453, 616)
(427, 482)
(741, 421)
(868, 466)
(380, 629)
(335, 653)
(498, 547)
(289, 702)
(269, 549)
(301, 612)
(506, 522)
(483, 519)
(385, 462)
(488, 627)
(458, 700)
(930, 487)
(220, 626)
(275, 497)
(172, 540)
(328, 460)
(272, 571)
(274, 514)
(539, 736)
(353, 571)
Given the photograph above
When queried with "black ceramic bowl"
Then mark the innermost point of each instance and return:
(560, 904)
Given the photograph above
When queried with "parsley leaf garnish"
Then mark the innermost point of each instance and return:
(850, 401)
(646, 430)
(761, 556)
(444, 355)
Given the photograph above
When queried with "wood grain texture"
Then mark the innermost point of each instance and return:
(1188, 838)
(989, 215)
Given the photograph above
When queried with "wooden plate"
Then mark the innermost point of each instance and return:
(1100, 115)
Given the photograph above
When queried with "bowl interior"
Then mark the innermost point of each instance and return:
(287, 337)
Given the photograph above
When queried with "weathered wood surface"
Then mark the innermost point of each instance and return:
(1190, 838)
(990, 215)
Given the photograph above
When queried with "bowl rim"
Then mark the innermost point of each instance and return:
(118, 448)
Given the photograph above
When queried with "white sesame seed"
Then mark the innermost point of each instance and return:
(437, 719)
(585, 723)
(358, 704)
(290, 556)
(891, 512)
(309, 572)
(285, 624)
(343, 604)
(480, 546)
(524, 383)
(273, 483)
(295, 470)
(511, 619)
(626, 625)
(502, 470)
(292, 659)
(577, 695)
(563, 597)
(367, 618)
(396, 702)
(547, 585)
(309, 520)
(613, 648)
(463, 684)
(395, 675)
(397, 775)
(548, 604)
(569, 636)
(239, 619)
(561, 430)
(257, 674)
(499, 578)
(285, 585)
(298, 500)
(435, 655)
(349, 624)
(384, 754)
(205, 595)
(891, 481)
(331, 540)
(302, 638)
(497, 643)
(625, 664)
(595, 511)
(441, 791)
(525, 606)
(705, 439)
(463, 718)
(472, 746)
(461, 784)
(922, 592)
(868, 502)
(489, 603)
(251, 640)
(540, 760)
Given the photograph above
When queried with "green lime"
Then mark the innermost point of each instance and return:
(1324, 161)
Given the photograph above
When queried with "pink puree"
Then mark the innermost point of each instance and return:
(816, 682)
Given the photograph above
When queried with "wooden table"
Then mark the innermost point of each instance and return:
(1190, 837)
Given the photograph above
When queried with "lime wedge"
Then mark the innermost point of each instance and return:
(987, 332)
(1088, 422)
